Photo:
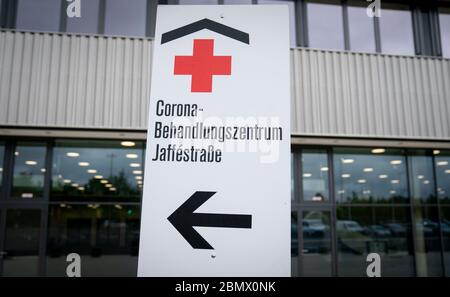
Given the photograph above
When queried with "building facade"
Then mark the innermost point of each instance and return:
(370, 133)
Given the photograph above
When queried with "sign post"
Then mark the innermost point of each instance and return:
(217, 174)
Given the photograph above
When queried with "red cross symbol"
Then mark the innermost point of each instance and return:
(202, 65)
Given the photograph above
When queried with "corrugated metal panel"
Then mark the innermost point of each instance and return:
(55, 80)
(370, 95)
(61, 80)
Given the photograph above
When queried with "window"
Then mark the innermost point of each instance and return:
(315, 175)
(361, 30)
(325, 26)
(21, 245)
(97, 170)
(88, 23)
(396, 31)
(248, 2)
(384, 230)
(444, 24)
(29, 170)
(42, 15)
(125, 18)
(105, 236)
(294, 244)
(191, 2)
(421, 177)
(375, 175)
(2, 157)
(292, 24)
(442, 164)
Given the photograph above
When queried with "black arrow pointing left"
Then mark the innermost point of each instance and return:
(184, 219)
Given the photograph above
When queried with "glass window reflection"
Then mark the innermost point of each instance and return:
(316, 252)
(444, 27)
(384, 230)
(325, 26)
(105, 236)
(421, 176)
(88, 22)
(125, 18)
(42, 15)
(29, 170)
(361, 30)
(294, 244)
(442, 165)
(315, 175)
(396, 31)
(445, 227)
(93, 170)
(374, 175)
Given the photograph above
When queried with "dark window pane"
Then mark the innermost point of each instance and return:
(29, 170)
(421, 177)
(445, 226)
(370, 175)
(106, 238)
(125, 18)
(193, 2)
(42, 15)
(383, 230)
(292, 25)
(361, 27)
(325, 26)
(2, 157)
(294, 244)
(248, 2)
(21, 242)
(88, 22)
(315, 175)
(316, 252)
(292, 177)
(97, 170)
(444, 24)
(442, 160)
(396, 31)
(428, 243)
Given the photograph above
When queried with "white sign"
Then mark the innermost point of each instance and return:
(217, 174)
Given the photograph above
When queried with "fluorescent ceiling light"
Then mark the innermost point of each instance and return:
(72, 154)
(128, 143)
(31, 162)
(132, 156)
(378, 151)
(83, 164)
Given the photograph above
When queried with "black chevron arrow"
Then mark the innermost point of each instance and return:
(184, 219)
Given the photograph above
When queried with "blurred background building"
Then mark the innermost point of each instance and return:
(370, 110)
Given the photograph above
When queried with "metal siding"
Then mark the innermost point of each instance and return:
(63, 80)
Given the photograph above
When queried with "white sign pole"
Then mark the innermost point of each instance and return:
(217, 175)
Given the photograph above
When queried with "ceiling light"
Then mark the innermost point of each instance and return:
(103, 181)
(348, 161)
(75, 185)
(16, 153)
(118, 206)
(108, 185)
(368, 169)
(436, 152)
(72, 154)
(135, 165)
(341, 192)
(98, 176)
(442, 163)
(43, 170)
(139, 182)
(345, 175)
(420, 176)
(137, 171)
(92, 171)
(67, 181)
(132, 156)
(81, 188)
(83, 164)
(395, 181)
(447, 171)
(112, 189)
(31, 162)
(426, 182)
(324, 169)
(307, 174)
(378, 151)
(383, 176)
(361, 181)
(128, 143)
(396, 162)
(138, 177)
(392, 192)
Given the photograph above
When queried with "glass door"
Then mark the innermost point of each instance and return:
(20, 232)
